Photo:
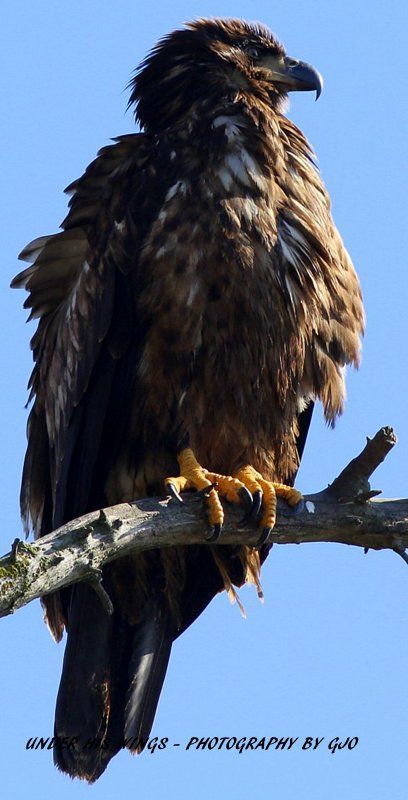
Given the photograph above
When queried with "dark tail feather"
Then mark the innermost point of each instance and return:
(147, 658)
(151, 647)
(81, 715)
(110, 686)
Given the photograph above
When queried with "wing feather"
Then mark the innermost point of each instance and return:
(72, 282)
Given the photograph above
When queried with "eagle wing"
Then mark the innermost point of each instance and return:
(81, 283)
(79, 287)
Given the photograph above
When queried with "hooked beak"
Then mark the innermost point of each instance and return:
(296, 76)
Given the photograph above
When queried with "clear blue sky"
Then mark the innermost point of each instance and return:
(327, 654)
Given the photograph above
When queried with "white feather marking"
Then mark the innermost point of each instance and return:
(244, 168)
(173, 155)
(294, 173)
(289, 253)
(250, 209)
(119, 226)
(297, 236)
(179, 187)
(302, 403)
(237, 167)
(161, 251)
(302, 160)
(192, 293)
(225, 178)
(253, 169)
(249, 162)
(231, 125)
(291, 290)
(310, 507)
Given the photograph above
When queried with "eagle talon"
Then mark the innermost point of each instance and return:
(174, 494)
(301, 505)
(206, 490)
(257, 498)
(215, 533)
(263, 539)
(247, 501)
(264, 498)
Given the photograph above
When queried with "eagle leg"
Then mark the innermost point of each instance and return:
(265, 494)
(212, 486)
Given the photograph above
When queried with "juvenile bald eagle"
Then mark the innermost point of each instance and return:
(197, 302)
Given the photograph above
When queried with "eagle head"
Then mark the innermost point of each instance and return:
(210, 61)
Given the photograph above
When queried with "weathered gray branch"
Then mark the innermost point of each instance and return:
(341, 513)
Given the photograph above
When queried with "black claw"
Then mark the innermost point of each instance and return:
(264, 537)
(207, 489)
(299, 507)
(174, 493)
(257, 498)
(215, 533)
(247, 501)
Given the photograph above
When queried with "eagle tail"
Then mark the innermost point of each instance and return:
(111, 681)
(151, 647)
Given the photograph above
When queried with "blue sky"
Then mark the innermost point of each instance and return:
(327, 654)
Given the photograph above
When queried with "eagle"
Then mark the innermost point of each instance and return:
(196, 303)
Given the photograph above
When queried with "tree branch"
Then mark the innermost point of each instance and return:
(344, 512)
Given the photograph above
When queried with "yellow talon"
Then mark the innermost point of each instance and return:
(215, 509)
(194, 476)
(247, 487)
(228, 487)
(268, 492)
(268, 518)
(250, 478)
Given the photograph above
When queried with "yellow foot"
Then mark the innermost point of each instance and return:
(211, 485)
(247, 487)
(265, 494)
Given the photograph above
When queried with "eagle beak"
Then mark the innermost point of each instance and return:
(296, 76)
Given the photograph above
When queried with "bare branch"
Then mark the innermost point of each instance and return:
(77, 551)
(352, 483)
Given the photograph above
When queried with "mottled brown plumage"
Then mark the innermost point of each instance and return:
(198, 294)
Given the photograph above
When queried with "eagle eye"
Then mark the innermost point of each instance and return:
(252, 51)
